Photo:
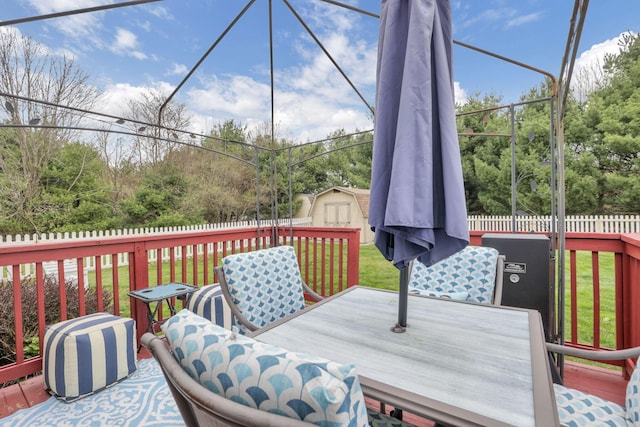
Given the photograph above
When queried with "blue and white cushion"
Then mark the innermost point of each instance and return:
(632, 399)
(266, 377)
(471, 270)
(577, 409)
(265, 285)
(209, 303)
(87, 354)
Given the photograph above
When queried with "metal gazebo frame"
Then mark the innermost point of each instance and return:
(560, 91)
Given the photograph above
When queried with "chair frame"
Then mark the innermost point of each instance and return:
(202, 407)
(497, 290)
(622, 354)
(234, 309)
(597, 355)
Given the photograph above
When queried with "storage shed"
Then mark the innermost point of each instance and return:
(343, 207)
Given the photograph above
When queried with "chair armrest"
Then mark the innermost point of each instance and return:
(497, 290)
(311, 292)
(627, 353)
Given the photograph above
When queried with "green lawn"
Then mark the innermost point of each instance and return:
(375, 271)
(585, 298)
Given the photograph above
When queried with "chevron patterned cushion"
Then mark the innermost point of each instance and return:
(576, 409)
(265, 284)
(471, 270)
(209, 303)
(265, 377)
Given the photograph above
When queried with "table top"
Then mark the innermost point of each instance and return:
(161, 292)
(459, 363)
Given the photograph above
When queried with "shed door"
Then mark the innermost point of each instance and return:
(337, 214)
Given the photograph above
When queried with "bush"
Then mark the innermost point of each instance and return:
(29, 299)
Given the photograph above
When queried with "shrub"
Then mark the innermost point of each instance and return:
(29, 299)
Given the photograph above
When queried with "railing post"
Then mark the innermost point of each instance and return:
(628, 296)
(353, 259)
(139, 279)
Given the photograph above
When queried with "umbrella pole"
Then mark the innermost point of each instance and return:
(401, 326)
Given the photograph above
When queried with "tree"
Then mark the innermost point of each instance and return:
(30, 74)
(349, 160)
(486, 140)
(222, 174)
(156, 142)
(158, 201)
(120, 170)
(612, 120)
(76, 196)
(481, 154)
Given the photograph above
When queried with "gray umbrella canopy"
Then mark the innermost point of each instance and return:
(417, 205)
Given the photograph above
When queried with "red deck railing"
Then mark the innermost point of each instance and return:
(329, 260)
(602, 280)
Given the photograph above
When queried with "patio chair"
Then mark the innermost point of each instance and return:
(473, 274)
(263, 286)
(200, 406)
(577, 408)
(219, 378)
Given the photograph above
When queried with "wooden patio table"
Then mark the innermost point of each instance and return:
(458, 363)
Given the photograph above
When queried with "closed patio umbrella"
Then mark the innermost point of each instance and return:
(417, 206)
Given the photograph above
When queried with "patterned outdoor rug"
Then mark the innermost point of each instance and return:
(143, 399)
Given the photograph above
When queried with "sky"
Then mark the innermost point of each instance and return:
(153, 46)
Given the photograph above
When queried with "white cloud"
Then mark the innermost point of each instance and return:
(42, 49)
(125, 39)
(588, 73)
(518, 20)
(146, 26)
(596, 53)
(82, 26)
(299, 114)
(312, 99)
(116, 98)
(86, 30)
(159, 11)
(177, 70)
(15, 31)
(460, 94)
(50, 6)
(500, 17)
(125, 43)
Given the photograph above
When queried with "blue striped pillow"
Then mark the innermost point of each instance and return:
(209, 303)
(89, 353)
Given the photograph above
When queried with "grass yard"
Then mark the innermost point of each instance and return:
(586, 296)
(375, 271)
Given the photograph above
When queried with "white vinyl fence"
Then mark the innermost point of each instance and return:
(573, 224)
(71, 267)
(584, 224)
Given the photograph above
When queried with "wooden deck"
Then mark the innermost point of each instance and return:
(606, 383)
